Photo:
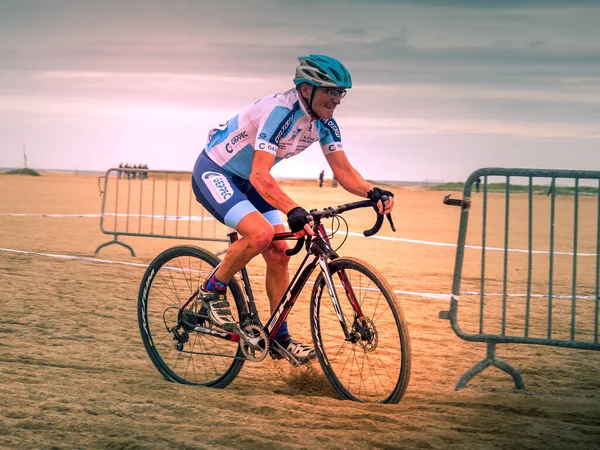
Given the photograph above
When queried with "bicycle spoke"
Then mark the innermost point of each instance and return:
(374, 365)
(177, 351)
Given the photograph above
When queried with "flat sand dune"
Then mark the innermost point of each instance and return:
(75, 374)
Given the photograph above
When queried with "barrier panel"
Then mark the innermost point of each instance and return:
(528, 273)
(153, 203)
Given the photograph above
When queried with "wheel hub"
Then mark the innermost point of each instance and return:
(365, 327)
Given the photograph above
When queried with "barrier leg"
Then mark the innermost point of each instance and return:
(115, 241)
(491, 360)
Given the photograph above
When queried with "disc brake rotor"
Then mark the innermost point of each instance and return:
(368, 335)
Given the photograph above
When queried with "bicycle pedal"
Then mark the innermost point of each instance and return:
(278, 352)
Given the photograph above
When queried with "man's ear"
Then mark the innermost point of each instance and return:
(306, 89)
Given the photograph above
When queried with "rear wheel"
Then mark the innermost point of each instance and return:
(178, 352)
(373, 363)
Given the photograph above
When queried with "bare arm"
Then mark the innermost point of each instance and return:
(347, 175)
(351, 180)
(266, 185)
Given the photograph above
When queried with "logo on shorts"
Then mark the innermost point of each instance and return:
(218, 186)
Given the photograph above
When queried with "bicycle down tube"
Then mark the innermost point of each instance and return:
(318, 254)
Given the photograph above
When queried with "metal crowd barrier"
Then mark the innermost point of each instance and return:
(529, 272)
(153, 203)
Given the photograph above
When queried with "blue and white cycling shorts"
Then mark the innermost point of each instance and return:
(228, 197)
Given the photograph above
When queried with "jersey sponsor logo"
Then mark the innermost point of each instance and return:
(334, 147)
(263, 146)
(262, 136)
(218, 186)
(228, 148)
(238, 137)
(214, 131)
(330, 123)
(283, 127)
(296, 131)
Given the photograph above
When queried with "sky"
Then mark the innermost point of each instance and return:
(440, 87)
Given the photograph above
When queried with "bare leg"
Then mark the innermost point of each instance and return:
(278, 277)
(257, 234)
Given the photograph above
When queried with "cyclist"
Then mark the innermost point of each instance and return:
(232, 180)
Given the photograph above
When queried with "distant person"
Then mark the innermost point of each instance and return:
(120, 172)
(477, 184)
(321, 178)
(127, 172)
(232, 180)
(334, 182)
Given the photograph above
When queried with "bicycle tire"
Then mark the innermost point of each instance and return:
(168, 283)
(376, 368)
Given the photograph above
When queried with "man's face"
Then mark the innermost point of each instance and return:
(326, 100)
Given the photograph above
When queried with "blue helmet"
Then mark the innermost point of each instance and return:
(322, 71)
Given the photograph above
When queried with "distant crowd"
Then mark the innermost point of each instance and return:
(133, 174)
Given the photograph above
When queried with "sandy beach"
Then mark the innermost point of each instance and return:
(75, 373)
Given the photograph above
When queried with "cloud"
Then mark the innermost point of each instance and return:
(475, 4)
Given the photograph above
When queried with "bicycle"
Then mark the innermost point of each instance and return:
(362, 343)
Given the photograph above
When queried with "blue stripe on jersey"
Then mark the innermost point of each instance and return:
(241, 165)
(331, 126)
(222, 135)
(279, 125)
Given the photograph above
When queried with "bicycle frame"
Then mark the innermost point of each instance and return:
(318, 252)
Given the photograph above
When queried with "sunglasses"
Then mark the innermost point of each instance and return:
(335, 93)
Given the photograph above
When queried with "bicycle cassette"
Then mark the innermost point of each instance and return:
(254, 343)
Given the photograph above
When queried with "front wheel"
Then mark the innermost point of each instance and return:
(178, 352)
(372, 362)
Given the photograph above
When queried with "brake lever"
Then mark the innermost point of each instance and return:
(389, 218)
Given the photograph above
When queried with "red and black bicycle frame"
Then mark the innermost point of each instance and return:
(319, 253)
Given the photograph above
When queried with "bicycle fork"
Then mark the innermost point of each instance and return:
(329, 283)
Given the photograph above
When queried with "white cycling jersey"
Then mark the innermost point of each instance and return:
(278, 124)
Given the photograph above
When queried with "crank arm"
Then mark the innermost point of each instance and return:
(251, 341)
(287, 355)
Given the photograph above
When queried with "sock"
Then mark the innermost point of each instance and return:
(283, 331)
(213, 284)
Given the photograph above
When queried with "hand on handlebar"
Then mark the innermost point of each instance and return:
(385, 206)
(301, 222)
(306, 231)
(384, 199)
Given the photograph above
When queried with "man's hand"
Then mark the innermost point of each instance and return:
(300, 222)
(375, 195)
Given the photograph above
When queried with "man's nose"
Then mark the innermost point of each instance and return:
(337, 100)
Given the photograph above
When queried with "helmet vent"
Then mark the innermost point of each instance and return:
(320, 70)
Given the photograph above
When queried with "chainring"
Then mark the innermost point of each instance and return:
(254, 343)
